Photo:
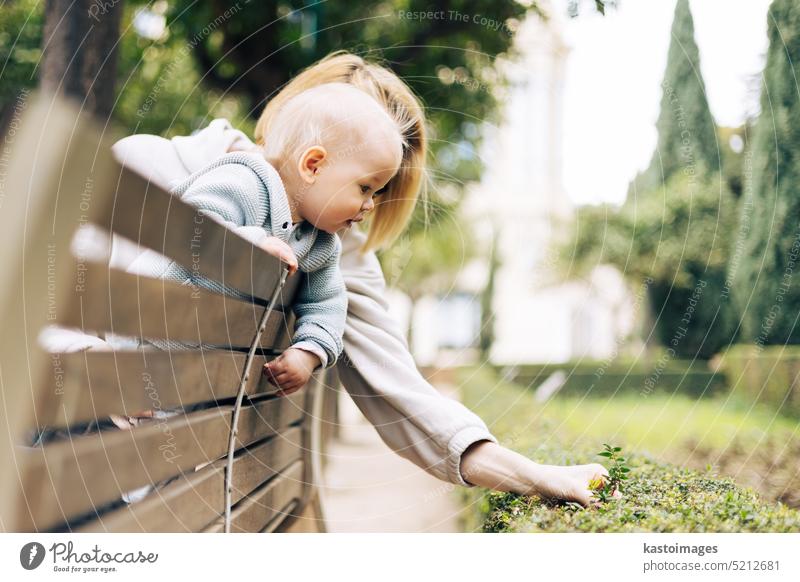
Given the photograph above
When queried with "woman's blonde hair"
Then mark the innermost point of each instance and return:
(394, 207)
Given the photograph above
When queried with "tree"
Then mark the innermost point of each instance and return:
(675, 228)
(686, 130)
(765, 286)
(161, 90)
(21, 26)
(182, 63)
(428, 258)
(80, 55)
(487, 333)
(679, 246)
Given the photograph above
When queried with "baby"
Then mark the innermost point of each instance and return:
(329, 151)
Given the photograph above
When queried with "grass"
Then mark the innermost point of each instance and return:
(658, 422)
(660, 497)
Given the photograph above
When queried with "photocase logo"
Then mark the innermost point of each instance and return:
(31, 555)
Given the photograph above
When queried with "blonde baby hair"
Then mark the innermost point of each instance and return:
(337, 116)
(395, 206)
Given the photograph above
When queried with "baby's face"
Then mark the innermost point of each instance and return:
(346, 183)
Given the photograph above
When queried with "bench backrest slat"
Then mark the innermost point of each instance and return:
(87, 385)
(163, 309)
(63, 477)
(263, 505)
(51, 159)
(195, 500)
(153, 218)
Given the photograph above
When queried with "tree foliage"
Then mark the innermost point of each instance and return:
(183, 63)
(675, 231)
(765, 284)
(676, 241)
(21, 26)
(686, 129)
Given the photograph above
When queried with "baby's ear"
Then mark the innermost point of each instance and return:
(312, 161)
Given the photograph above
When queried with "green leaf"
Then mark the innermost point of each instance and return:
(601, 7)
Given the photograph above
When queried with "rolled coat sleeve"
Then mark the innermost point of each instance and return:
(377, 370)
(321, 309)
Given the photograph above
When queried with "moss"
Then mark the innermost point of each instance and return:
(659, 497)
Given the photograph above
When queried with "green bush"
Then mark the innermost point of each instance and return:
(598, 379)
(767, 375)
(659, 497)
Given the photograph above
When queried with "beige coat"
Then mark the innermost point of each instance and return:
(376, 368)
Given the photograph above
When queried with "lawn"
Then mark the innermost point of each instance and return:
(693, 461)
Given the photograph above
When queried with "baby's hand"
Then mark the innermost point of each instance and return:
(277, 248)
(291, 370)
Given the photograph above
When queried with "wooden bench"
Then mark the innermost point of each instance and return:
(61, 177)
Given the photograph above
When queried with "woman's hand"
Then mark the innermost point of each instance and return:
(277, 248)
(291, 370)
(488, 464)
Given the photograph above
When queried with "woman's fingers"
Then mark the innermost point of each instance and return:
(601, 470)
(272, 374)
(598, 481)
(284, 380)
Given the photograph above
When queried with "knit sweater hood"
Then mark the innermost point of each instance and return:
(206, 145)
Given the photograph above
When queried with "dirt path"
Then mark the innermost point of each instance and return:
(371, 489)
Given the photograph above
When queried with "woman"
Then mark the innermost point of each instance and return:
(436, 433)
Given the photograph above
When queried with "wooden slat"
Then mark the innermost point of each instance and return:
(66, 479)
(283, 336)
(260, 507)
(197, 499)
(283, 514)
(83, 386)
(154, 218)
(127, 304)
(58, 169)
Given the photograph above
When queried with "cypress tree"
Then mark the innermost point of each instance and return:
(693, 210)
(686, 129)
(765, 286)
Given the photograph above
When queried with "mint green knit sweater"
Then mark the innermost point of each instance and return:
(245, 193)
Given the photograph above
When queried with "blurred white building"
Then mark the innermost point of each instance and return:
(522, 200)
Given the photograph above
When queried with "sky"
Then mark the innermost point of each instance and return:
(613, 76)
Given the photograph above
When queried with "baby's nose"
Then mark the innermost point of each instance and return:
(368, 205)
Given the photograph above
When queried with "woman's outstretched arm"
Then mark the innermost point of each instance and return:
(438, 434)
(413, 418)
